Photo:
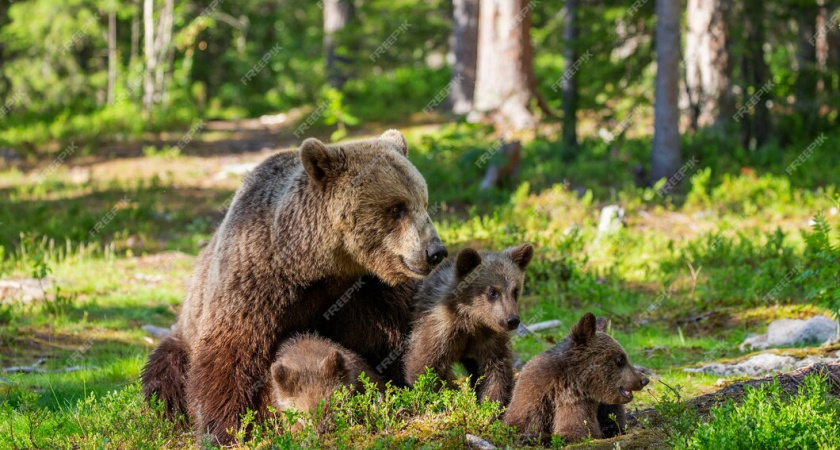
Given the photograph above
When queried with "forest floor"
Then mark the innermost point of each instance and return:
(103, 243)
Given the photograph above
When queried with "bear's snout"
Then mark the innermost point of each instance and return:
(435, 252)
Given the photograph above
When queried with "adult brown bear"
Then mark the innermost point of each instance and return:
(305, 227)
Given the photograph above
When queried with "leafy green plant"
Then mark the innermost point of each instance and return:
(680, 417)
(822, 273)
(768, 418)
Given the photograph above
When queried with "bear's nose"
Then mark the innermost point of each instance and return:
(513, 322)
(645, 381)
(435, 253)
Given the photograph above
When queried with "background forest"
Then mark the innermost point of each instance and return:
(674, 162)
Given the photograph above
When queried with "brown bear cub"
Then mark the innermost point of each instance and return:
(559, 391)
(464, 311)
(309, 369)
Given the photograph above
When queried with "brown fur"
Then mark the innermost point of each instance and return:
(463, 309)
(305, 225)
(308, 369)
(165, 376)
(559, 391)
(374, 322)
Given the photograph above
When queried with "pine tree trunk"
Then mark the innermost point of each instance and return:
(569, 83)
(505, 82)
(755, 67)
(708, 68)
(465, 52)
(666, 156)
(337, 13)
(806, 61)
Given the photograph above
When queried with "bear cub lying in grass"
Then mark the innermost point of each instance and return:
(464, 311)
(308, 369)
(559, 391)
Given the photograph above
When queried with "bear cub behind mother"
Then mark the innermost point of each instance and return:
(303, 228)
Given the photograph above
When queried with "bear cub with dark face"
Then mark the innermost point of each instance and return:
(559, 392)
(464, 311)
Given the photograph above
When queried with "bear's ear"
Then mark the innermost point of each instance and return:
(466, 261)
(281, 374)
(521, 255)
(397, 138)
(319, 161)
(333, 365)
(584, 330)
(601, 324)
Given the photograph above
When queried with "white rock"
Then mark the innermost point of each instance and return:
(477, 442)
(157, 332)
(25, 290)
(758, 365)
(612, 219)
(791, 332)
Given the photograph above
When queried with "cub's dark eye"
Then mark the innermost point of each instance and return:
(398, 211)
(516, 293)
(493, 293)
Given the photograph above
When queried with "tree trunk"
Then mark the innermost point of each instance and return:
(163, 48)
(806, 61)
(755, 67)
(135, 35)
(821, 45)
(465, 51)
(569, 83)
(112, 55)
(337, 13)
(666, 156)
(150, 56)
(505, 81)
(708, 68)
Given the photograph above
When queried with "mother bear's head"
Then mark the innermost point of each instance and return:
(377, 202)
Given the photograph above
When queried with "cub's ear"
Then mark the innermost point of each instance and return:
(466, 261)
(320, 161)
(397, 138)
(333, 365)
(584, 330)
(281, 374)
(601, 324)
(521, 255)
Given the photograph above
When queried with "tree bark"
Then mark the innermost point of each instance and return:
(505, 81)
(569, 84)
(337, 13)
(135, 34)
(150, 56)
(708, 68)
(465, 52)
(666, 155)
(806, 61)
(112, 56)
(755, 67)
(821, 45)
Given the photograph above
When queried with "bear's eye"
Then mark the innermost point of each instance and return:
(620, 361)
(398, 211)
(516, 293)
(493, 293)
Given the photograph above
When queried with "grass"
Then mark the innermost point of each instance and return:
(687, 279)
